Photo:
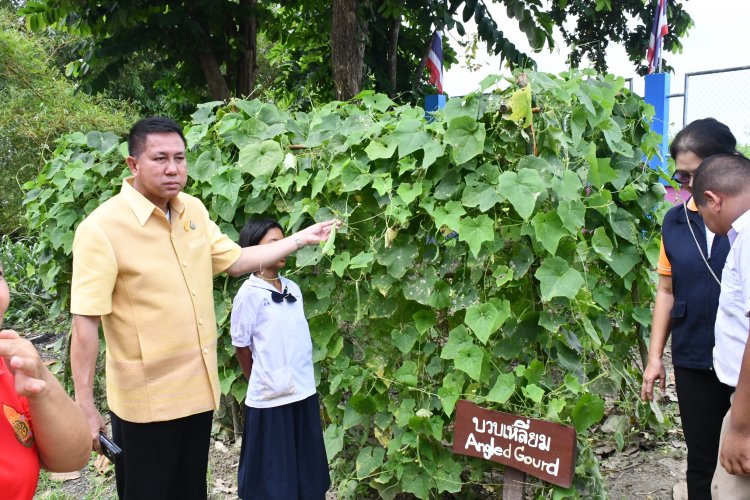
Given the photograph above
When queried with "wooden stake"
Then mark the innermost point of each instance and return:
(513, 484)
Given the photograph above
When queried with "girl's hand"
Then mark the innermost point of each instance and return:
(24, 362)
(317, 232)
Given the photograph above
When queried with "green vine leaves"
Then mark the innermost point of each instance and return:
(466, 267)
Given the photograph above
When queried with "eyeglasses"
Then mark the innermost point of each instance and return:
(682, 176)
(279, 297)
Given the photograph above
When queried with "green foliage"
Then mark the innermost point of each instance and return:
(158, 53)
(39, 105)
(29, 305)
(467, 267)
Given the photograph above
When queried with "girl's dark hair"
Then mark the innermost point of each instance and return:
(255, 229)
(705, 137)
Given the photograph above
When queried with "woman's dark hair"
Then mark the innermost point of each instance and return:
(705, 137)
(255, 229)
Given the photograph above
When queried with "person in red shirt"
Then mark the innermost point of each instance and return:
(39, 424)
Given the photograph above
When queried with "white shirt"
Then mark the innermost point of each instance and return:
(709, 241)
(732, 321)
(279, 339)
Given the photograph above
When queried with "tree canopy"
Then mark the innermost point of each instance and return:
(621, 21)
(329, 49)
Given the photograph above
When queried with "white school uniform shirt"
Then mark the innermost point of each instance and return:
(279, 338)
(732, 322)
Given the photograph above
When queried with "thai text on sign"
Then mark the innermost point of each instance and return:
(542, 449)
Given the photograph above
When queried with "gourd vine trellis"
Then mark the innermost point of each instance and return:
(467, 267)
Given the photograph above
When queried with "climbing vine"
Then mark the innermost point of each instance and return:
(499, 252)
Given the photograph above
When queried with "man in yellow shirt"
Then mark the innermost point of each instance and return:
(143, 266)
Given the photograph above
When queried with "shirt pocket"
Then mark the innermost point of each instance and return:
(679, 308)
(276, 383)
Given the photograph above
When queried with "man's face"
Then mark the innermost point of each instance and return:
(714, 215)
(160, 170)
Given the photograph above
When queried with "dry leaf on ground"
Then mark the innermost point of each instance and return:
(64, 476)
(220, 485)
(101, 464)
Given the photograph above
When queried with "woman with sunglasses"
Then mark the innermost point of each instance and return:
(283, 454)
(687, 297)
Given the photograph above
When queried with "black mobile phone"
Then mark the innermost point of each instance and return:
(109, 448)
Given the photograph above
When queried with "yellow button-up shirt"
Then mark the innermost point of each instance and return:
(152, 284)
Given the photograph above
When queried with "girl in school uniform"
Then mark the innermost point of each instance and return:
(283, 455)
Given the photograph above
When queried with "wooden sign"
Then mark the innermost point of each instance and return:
(542, 449)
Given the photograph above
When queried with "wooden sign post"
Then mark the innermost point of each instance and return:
(524, 445)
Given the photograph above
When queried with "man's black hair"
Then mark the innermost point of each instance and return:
(152, 125)
(255, 229)
(725, 174)
(705, 137)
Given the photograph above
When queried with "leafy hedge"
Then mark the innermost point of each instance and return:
(469, 267)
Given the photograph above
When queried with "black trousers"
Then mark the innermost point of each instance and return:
(163, 460)
(703, 402)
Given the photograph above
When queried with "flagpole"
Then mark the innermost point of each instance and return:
(658, 84)
(434, 62)
(662, 34)
(661, 59)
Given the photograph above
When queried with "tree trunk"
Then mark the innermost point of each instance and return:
(393, 53)
(217, 85)
(347, 47)
(247, 63)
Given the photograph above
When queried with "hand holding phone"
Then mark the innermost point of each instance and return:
(109, 448)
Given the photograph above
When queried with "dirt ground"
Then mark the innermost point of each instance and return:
(645, 469)
(648, 475)
(634, 473)
(653, 472)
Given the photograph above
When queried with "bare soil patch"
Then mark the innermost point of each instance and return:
(650, 468)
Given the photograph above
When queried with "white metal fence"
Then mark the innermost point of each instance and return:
(723, 94)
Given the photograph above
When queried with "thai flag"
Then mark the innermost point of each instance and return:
(658, 29)
(435, 61)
